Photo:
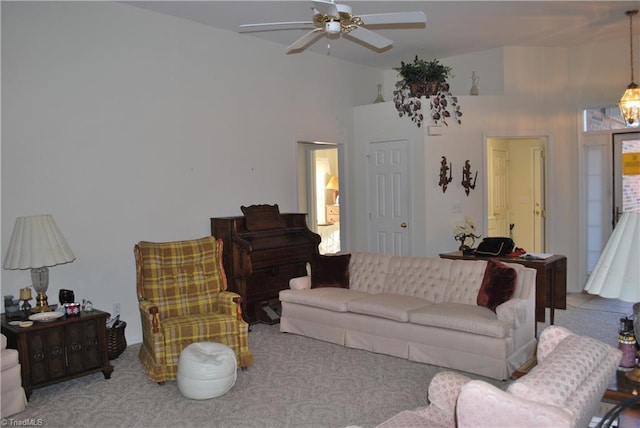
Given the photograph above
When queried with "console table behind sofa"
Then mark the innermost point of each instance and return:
(551, 280)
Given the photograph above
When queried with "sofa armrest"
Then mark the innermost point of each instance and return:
(513, 311)
(300, 283)
(549, 339)
(481, 404)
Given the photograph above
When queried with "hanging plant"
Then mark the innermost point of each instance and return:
(425, 79)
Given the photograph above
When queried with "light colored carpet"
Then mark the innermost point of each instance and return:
(295, 382)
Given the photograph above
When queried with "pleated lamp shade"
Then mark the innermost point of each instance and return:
(617, 272)
(37, 242)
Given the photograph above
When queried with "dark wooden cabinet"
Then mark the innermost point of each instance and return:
(55, 351)
(551, 280)
(259, 264)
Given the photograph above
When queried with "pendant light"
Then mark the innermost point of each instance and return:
(630, 102)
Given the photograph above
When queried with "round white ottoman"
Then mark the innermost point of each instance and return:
(206, 370)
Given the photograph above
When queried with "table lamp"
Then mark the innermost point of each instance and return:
(36, 244)
(616, 275)
(334, 185)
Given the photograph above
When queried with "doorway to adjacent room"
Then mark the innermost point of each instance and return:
(516, 190)
(319, 184)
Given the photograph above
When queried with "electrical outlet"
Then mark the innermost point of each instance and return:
(116, 310)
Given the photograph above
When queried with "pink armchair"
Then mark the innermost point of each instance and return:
(13, 399)
(564, 389)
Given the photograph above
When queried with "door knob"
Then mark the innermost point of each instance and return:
(403, 224)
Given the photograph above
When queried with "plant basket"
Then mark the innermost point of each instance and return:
(425, 89)
(116, 342)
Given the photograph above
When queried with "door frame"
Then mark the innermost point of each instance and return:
(545, 140)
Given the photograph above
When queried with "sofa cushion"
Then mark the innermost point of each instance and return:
(498, 284)
(562, 372)
(392, 306)
(462, 317)
(332, 298)
(330, 271)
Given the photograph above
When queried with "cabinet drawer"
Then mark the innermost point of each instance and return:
(333, 213)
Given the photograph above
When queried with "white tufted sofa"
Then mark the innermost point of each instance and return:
(422, 309)
(563, 390)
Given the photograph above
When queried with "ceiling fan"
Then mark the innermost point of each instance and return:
(333, 19)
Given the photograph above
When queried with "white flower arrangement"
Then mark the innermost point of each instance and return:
(466, 234)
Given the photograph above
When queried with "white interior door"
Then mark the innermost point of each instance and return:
(498, 188)
(389, 227)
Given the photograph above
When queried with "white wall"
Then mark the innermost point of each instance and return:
(129, 125)
(540, 96)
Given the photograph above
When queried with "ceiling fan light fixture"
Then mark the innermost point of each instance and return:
(630, 102)
(332, 27)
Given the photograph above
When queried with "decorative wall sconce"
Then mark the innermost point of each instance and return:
(444, 180)
(466, 178)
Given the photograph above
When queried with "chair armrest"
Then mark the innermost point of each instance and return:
(445, 388)
(481, 404)
(229, 303)
(300, 283)
(149, 316)
(443, 394)
(513, 311)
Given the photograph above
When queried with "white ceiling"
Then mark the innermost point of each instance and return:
(453, 27)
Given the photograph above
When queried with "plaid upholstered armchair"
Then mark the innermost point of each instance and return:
(183, 299)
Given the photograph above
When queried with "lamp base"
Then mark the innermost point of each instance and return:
(42, 303)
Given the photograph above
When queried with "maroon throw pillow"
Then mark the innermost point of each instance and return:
(498, 284)
(330, 271)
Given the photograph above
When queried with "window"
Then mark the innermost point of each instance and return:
(602, 119)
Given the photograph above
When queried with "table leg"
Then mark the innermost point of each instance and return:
(552, 298)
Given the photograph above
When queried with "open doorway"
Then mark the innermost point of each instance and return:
(319, 191)
(516, 190)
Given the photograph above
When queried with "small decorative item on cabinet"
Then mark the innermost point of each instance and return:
(627, 343)
(72, 309)
(466, 234)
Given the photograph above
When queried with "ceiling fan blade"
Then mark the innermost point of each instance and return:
(370, 38)
(305, 40)
(394, 18)
(267, 26)
(326, 7)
